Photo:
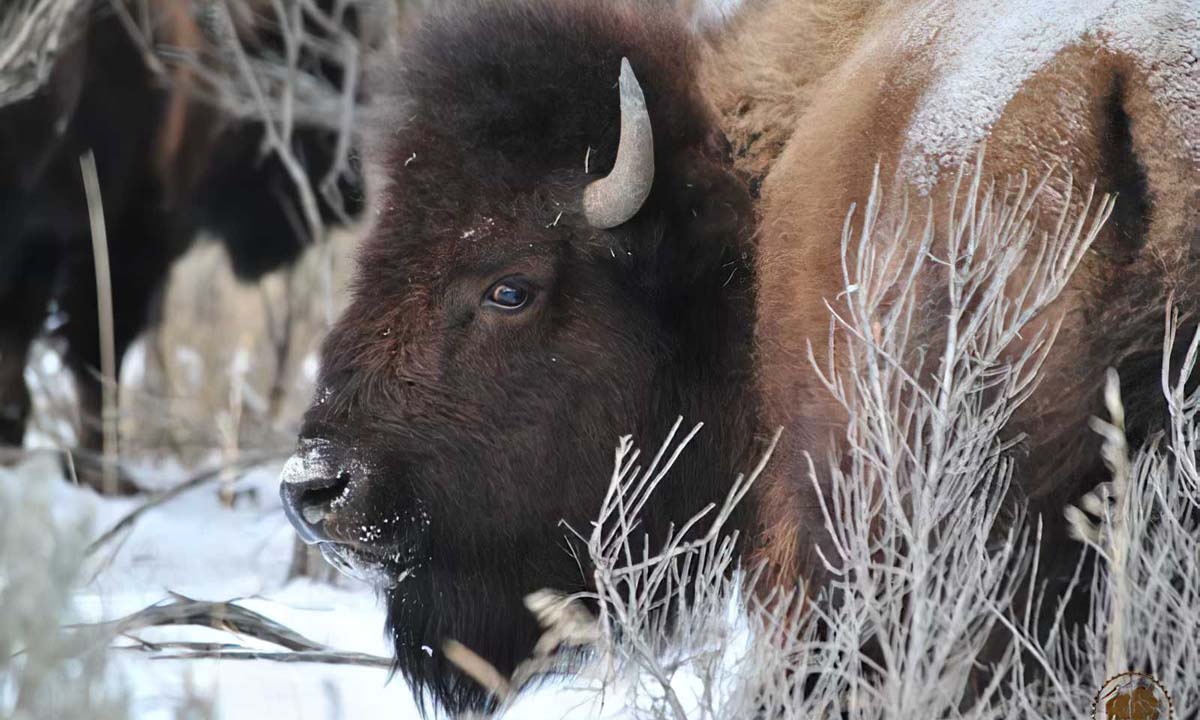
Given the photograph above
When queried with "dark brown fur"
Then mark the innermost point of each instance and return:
(473, 438)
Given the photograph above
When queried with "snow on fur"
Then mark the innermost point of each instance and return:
(987, 50)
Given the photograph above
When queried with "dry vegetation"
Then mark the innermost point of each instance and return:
(928, 560)
(33, 34)
(232, 365)
(228, 367)
(46, 672)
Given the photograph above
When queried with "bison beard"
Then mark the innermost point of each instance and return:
(499, 340)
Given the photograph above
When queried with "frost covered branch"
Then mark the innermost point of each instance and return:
(297, 89)
(941, 341)
(1145, 526)
(33, 34)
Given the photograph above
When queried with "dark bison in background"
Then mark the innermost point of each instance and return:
(169, 164)
(517, 307)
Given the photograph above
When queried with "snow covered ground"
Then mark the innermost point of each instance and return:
(195, 546)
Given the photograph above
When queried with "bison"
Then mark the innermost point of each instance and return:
(1107, 95)
(588, 220)
(169, 164)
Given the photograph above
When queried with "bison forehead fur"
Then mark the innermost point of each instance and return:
(493, 428)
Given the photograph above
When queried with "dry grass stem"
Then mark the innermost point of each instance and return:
(104, 303)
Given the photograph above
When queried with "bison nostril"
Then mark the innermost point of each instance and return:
(309, 488)
(315, 503)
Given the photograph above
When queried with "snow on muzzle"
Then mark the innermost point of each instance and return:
(312, 483)
(325, 489)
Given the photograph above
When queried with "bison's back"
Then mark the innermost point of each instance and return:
(1109, 92)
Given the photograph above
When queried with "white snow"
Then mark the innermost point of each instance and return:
(50, 385)
(196, 547)
(133, 365)
(714, 13)
(311, 367)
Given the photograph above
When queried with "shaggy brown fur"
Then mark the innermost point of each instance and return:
(761, 71)
(1097, 108)
(450, 437)
(453, 442)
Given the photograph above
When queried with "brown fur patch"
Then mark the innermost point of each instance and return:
(761, 73)
(815, 94)
(184, 118)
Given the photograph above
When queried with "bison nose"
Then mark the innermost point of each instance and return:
(310, 483)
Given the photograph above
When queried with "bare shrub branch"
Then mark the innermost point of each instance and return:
(33, 34)
(923, 615)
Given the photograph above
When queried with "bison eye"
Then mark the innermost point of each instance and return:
(507, 295)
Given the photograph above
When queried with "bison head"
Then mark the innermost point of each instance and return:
(559, 256)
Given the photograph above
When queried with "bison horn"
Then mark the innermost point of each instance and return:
(615, 198)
